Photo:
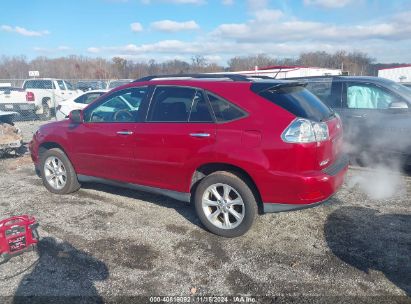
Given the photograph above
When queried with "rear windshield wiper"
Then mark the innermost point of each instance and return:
(260, 87)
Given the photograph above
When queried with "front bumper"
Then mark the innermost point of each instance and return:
(11, 145)
(309, 189)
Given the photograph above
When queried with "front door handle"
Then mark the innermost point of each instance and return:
(358, 115)
(201, 135)
(125, 132)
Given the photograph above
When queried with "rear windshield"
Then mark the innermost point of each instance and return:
(38, 84)
(299, 101)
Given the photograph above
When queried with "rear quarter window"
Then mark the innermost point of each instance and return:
(224, 110)
(299, 101)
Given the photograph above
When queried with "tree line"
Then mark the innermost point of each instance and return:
(81, 67)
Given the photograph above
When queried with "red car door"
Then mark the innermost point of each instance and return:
(177, 137)
(104, 143)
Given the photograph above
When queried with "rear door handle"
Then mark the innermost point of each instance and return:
(201, 135)
(125, 132)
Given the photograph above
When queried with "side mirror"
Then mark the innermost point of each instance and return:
(76, 116)
(398, 105)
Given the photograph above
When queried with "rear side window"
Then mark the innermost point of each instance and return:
(171, 104)
(223, 110)
(298, 101)
(87, 98)
(321, 89)
(200, 111)
(38, 84)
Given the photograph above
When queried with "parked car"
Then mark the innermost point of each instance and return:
(48, 93)
(375, 113)
(77, 103)
(91, 85)
(16, 99)
(117, 83)
(11, 139)
(227, 143)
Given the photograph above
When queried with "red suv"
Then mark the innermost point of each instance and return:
(231, 144)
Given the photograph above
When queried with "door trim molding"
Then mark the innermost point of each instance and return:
(180, 196)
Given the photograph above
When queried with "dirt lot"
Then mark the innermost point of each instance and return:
(107, 242)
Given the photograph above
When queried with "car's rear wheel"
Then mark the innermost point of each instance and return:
(57, 172)
(225, 204)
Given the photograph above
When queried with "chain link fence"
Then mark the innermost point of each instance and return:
(40, 98)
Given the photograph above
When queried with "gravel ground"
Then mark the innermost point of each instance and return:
(105, 243)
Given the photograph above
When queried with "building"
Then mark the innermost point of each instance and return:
(283, 72)
(399, 74)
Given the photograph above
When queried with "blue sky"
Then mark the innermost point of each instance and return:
(217, 29)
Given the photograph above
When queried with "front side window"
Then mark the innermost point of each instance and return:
(69, 85)
(368, 96)
(223, 110)
(60, 83)
(122, 106)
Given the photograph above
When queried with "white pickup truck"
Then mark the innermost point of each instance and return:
(48, 93)
(16, 99)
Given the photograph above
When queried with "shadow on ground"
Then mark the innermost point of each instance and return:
(368, 240)
(61, 272)
(184, 209)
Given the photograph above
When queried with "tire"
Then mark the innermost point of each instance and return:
(213, 213)
(54, 162)
(46, 115)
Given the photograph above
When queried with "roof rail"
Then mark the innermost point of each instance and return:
(233, 77)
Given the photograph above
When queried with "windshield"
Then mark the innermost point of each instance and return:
(401, 90)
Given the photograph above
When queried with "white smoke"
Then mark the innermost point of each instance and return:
(379, 182)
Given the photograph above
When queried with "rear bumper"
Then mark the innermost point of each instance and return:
(18, 107)
(309, 189)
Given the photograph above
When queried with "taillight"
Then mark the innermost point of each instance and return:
(305, 131)
(29, 96)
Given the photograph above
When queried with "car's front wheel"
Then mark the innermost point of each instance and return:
(225, 204)
(57, 172)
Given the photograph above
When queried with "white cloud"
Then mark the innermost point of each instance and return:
(93, 50)
(255, 5)
(267, 15)
(63, 48)
(174, 26)
(275, 33)
(136, 27)
(274, 25)
(23, 31)
(227, 2)
(328, 3)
